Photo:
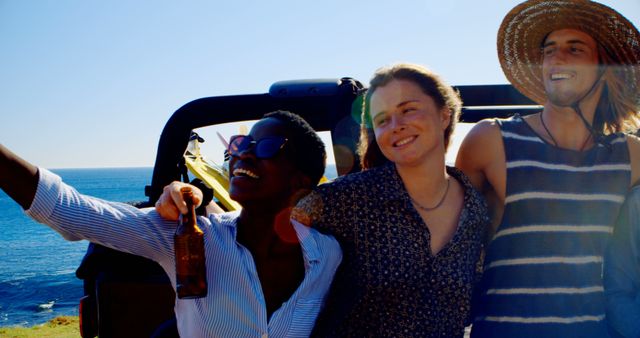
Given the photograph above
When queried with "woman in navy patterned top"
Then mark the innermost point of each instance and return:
(411, 228)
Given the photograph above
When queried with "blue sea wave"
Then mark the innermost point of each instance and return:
(33, 300)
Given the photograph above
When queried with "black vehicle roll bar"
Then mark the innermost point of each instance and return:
(325, 104)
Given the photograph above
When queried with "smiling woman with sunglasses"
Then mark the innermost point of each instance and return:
(271, 274)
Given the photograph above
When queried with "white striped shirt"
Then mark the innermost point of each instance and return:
(235, 305)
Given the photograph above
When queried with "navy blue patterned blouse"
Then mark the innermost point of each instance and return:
(389, 283)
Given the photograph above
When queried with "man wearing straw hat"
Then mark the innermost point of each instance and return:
(556, 179)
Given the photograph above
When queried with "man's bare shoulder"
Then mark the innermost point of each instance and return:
(483, 132)
(481, 157)
(480, 151)
(633, 142)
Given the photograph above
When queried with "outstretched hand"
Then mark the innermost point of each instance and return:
(170, 204)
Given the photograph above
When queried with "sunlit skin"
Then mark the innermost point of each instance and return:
(570, 75)
(408, 125)
(569, 66)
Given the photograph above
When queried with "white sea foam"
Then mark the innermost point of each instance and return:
(46, 306)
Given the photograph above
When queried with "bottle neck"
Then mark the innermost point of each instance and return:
(188, 220)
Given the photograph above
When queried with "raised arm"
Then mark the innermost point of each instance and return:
(18, 178)
(48, 200)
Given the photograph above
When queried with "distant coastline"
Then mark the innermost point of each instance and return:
(54, 169)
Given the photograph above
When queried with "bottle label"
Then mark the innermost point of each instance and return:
(189, 255)
(191, 280)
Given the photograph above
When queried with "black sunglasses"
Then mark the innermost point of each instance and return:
(263, 148)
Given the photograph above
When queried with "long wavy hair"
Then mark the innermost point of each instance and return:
(619, 103)
(431, 84)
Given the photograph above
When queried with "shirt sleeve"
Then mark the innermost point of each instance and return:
(308, 211)
(119, 226)
(330, 208)
(622, 270)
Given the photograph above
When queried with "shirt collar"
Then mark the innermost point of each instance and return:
(395, 191)
(310, 247)
(229, 220)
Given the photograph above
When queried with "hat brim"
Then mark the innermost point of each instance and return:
(524, 28)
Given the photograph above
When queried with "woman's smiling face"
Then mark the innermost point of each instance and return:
(262, 180)
(407, 123)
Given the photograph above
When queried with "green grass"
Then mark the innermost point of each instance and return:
(59, 327)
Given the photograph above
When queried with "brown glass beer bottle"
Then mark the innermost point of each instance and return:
(191, 276)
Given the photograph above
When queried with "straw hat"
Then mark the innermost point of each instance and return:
(524, 28)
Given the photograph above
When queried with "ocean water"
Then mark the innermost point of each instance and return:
(37, 266)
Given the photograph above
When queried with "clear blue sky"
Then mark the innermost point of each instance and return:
(92, 83)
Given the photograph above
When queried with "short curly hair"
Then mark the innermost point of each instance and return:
(308, 151)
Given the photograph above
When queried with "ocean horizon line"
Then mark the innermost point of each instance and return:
(98, 167)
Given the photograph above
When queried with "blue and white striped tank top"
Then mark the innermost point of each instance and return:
(543, 266)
